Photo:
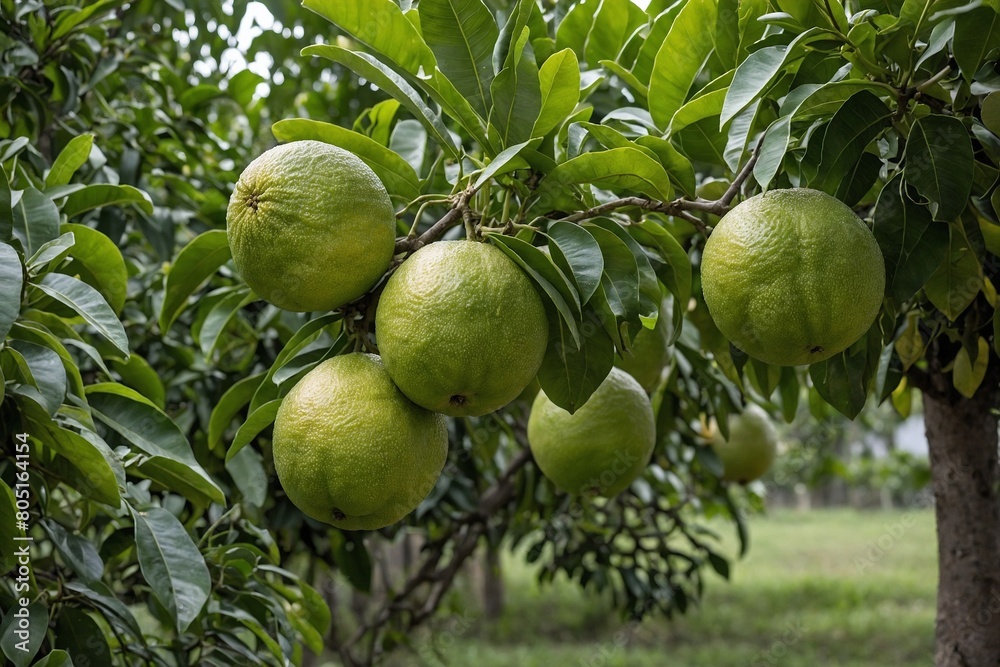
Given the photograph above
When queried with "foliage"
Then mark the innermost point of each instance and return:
(611, 136)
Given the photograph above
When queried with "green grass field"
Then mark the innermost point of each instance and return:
(834, 587)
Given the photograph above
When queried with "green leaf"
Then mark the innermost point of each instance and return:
(977, 33)
(256, 422)
(149, 429)
(940, 164)
(680, 58)
(855, 125)
(395, 173)
(196, 263)
(247, 471)
(619, 294)
(219, 318)
(8, 524)
(968, 375)
(443, 91)
(47, 371)
(98, 195)
(788, 387)
(99, 473)
(53, 251)
(6, 208)
(171, 564)
(113, 610)
(36, 220)
(71, 19)
(650, 296)
(772, 151)
(911, 243)
(12, 278)
(653, 235)
(571, 373)
(231, 402)
(70, 159)
(99, 263)
(625, 168)
(678, 167)
(380, 25)
(577, 255)
(138, 374)
(79, 635)
(196, 96)
(243, 85)
(700, 108)
(559, 81)
(516, 95)
(89, 304)
(958, 279)
(841, 380)
(547, 276)
(462, 34)
(396, 86)
(37, 617)
(760, 69)
(352, 560)
(505, 162)
(76, 551)
(57, 658)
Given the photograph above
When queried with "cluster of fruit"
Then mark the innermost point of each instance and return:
(361, 440)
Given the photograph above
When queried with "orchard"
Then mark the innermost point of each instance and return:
(529, 281)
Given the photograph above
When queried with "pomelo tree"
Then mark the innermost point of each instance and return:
(596, 144)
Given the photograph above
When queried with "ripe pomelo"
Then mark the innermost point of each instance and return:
(460, 328)
(602, 447)
(751, 447)
(792, 276)
(650, 351)
(351, 450)
(311, 227)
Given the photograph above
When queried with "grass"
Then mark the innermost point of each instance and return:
(832, 587)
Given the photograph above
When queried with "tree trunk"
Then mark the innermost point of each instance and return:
(962, 434)
(493, 590)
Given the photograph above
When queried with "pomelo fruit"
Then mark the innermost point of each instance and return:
(351, 450)
(793, 276)
(602, 447)
(460, 328)
(650, 351)
(750, 449)
(310, 226)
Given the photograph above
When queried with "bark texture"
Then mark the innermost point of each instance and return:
(962, 434)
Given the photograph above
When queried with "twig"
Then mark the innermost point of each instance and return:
(453, 217)
(678, 207)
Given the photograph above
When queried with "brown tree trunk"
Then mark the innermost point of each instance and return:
(962, 434)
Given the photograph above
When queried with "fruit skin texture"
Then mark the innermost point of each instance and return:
(351, 450)
(751, 447)
(650, 352)
(792, 277)
(311, 227)
(460, 328)
(602, 447)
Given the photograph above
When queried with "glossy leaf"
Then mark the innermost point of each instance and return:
(171, 564)
(958, 279)
(231, 402)
(516, 95)
(969, 374)
(977, 32)
(571, 373)
(37, 620)
(88, 304)
(855, 125)
(70, 159)
(940, 164)
(559, 81)
(98, 195)
(36, 220)
(911, 243)
(395, 173)
(12, 278)
(624, 168)
(680, 58)
(77, 551)
(380, 25)
(195, 264)
(99, 263)
(462, 34)
(578, 255)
